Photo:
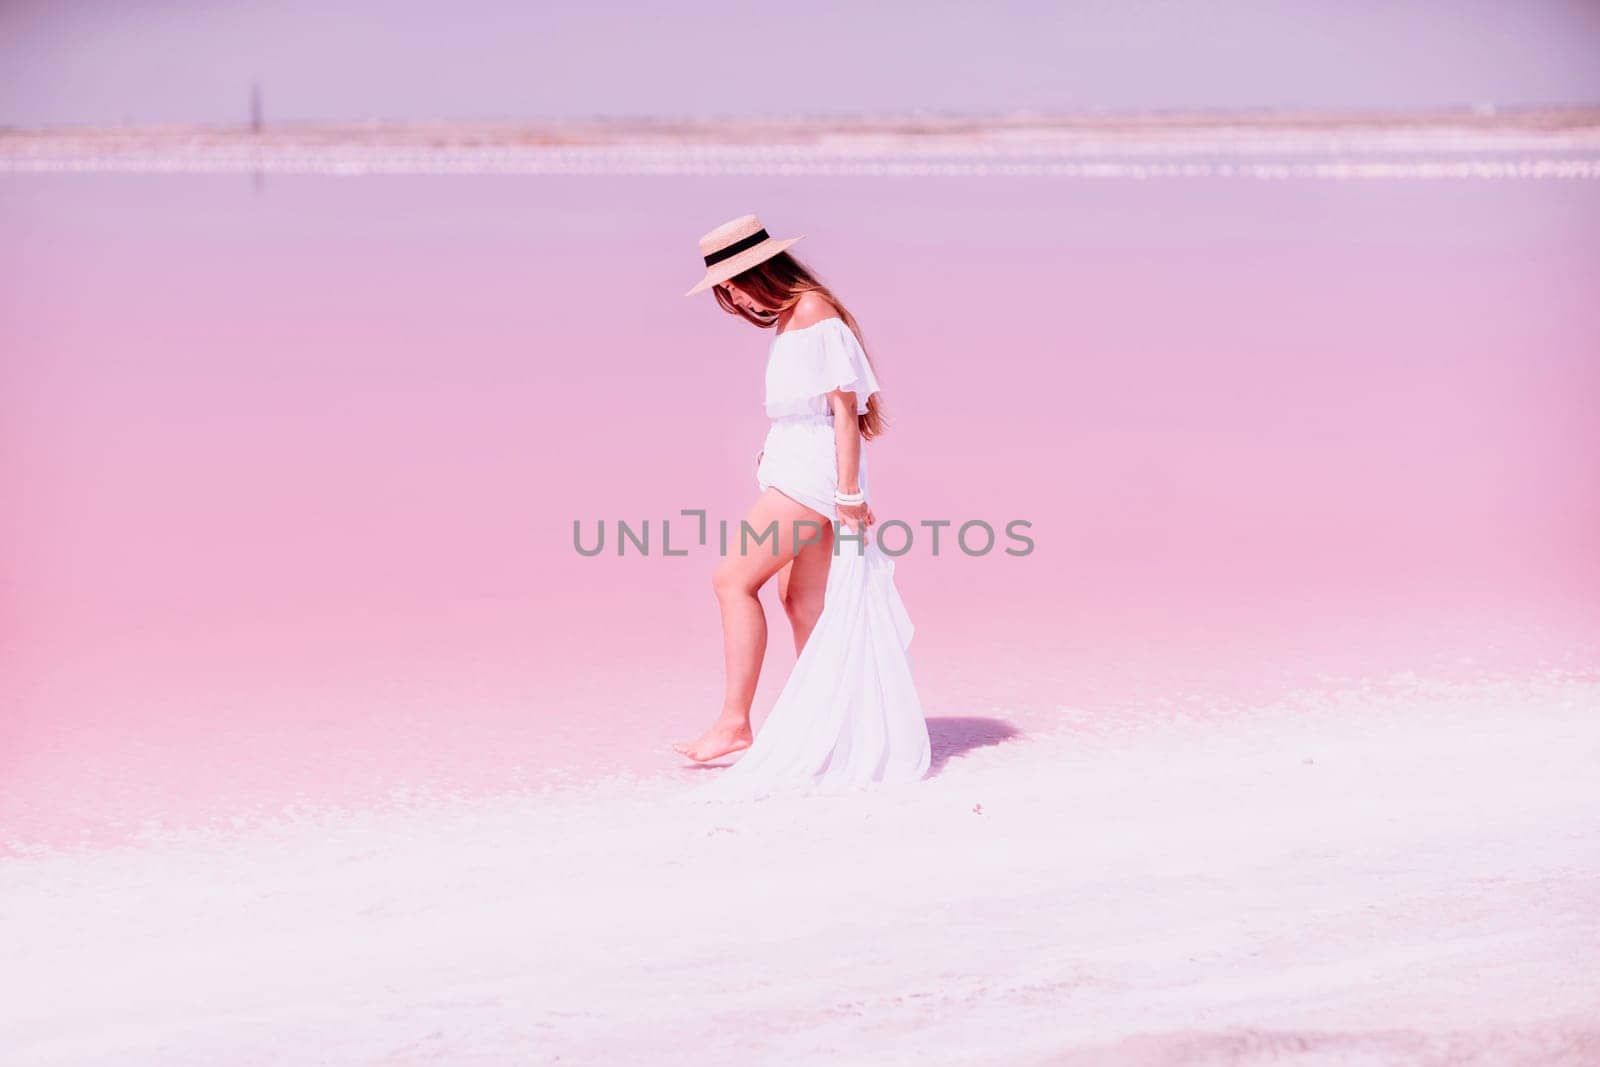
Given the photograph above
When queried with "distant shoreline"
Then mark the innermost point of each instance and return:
(1576, 121)
(1466, 142)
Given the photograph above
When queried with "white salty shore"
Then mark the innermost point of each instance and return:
(1405, 872)
(1548, 142)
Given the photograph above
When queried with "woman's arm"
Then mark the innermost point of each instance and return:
(847, 442)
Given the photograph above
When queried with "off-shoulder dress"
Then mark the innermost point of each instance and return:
(849, 716)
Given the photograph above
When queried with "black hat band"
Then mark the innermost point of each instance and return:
(738, 246)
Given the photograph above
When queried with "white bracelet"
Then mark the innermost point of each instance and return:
(849, 498)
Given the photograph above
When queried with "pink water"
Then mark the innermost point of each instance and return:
(289, 475)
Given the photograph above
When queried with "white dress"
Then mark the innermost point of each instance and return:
(849, 716)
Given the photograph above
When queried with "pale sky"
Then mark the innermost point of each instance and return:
(104, 61)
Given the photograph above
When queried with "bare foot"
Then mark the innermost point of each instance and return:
(720, 740)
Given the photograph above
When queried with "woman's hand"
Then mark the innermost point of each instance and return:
(856, 517)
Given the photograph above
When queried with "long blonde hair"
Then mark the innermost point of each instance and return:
(778, 283)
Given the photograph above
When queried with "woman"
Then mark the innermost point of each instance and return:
(849, 715)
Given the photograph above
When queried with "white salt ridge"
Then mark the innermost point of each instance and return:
(1403, 872)
(1564, 144)
(695, 163)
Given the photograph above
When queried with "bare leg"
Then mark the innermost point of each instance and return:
(737, 582)
(801, 586)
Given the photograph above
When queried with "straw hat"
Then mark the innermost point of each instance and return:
(736, 246)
